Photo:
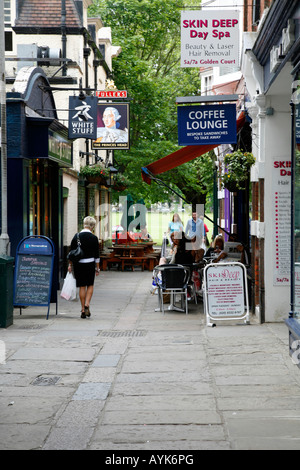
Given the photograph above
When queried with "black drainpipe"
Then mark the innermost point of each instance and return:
(64, 35)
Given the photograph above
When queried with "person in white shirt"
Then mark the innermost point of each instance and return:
(195, 230)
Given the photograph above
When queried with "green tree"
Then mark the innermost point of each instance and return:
(149, 69)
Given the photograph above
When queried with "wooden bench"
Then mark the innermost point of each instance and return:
(151, 261)
(146, 261)
(107, 260)
(132, 261)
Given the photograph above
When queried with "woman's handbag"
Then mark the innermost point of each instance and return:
(68, 291)
(75, 255)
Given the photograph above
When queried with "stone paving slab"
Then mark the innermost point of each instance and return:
(106, 360)
(55, 354)
(163, 433)
(92, 391)
(24, 437)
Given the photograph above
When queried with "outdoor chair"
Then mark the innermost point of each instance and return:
(172, 279)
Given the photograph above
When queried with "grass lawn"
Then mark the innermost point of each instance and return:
(157, 223)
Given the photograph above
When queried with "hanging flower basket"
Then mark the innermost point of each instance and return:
(120, 182)
(95, 174)
(237, 166)
(233, 186)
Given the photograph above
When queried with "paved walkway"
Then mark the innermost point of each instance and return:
(130, 378)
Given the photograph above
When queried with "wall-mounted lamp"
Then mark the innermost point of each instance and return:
(112, 171)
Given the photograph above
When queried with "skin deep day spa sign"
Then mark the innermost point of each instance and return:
(209, 39)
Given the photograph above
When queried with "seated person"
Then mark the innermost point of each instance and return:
(181, 255)
(216, 251)
(235, 250)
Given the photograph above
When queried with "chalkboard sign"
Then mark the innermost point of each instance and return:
(33, 272)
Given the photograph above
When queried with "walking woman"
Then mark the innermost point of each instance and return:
(86, 268)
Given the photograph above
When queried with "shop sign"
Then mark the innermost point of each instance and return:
(278, 52)
(112, 126)
(59, 148)
(82, 117)
(212, 124)
(33, 274)
(225, 291)
(281, 195)
(111, 94)
(209, 39)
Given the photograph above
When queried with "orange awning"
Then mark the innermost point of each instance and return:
(181, 156)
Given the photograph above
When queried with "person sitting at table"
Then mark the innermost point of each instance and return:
(180, 252)
(216, 251)
(236, 250)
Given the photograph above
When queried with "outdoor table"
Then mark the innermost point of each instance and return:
(129, 250)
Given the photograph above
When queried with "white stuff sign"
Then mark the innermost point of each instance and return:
(209, 39)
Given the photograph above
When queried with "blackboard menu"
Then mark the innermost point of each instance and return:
(33, 272)
(33, 280)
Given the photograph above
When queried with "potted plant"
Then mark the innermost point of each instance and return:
(237, 165)
(95, 174)
(120, 182)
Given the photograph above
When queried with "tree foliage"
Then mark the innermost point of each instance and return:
(148, 32)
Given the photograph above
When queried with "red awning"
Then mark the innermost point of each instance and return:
(183, 155)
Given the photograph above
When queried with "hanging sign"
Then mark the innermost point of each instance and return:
(112, 126)
(111, 94)
(211, 124)
(209, 38)
(83, 117)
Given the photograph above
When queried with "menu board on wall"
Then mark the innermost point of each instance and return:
(281, 221)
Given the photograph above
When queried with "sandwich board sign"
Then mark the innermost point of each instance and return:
(33, 272)
(225, 292)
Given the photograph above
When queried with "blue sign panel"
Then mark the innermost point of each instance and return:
(33, 272)
(211, 124)
(83, 117)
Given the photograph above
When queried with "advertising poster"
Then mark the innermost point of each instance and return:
(211, 124)
(112, 126)
(282, 220)
(297, 287)
(210, 38)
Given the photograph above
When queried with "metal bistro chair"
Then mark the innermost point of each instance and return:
(172, 279)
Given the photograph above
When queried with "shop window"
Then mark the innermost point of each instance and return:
(255, 11)
(8, 41)
(7, 12)
(40, 199)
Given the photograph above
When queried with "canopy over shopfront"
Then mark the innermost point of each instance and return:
(183, 155)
